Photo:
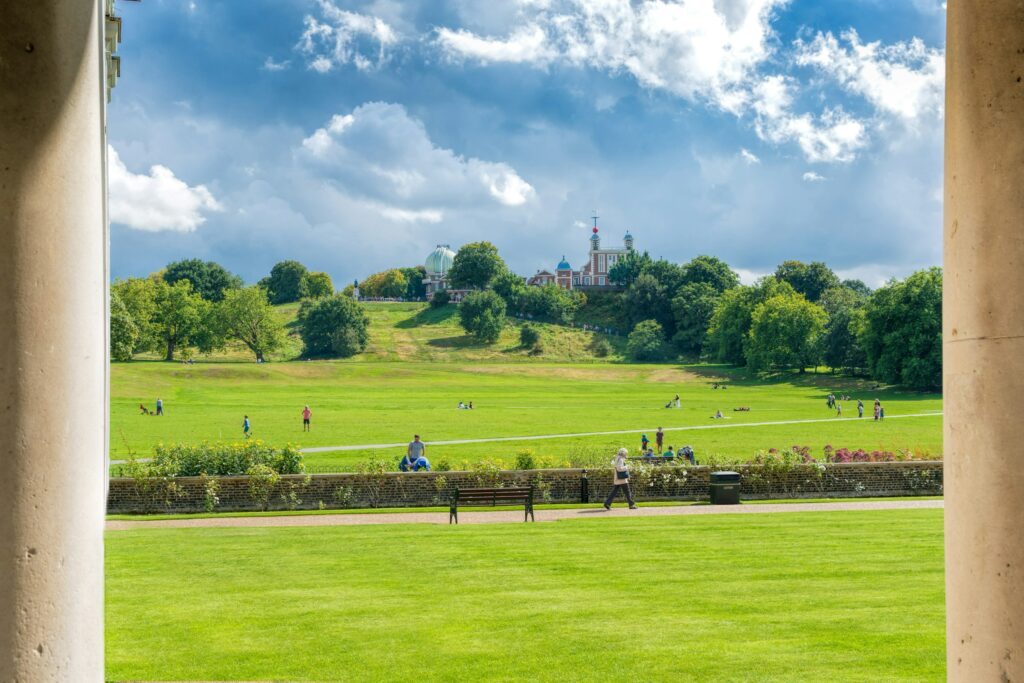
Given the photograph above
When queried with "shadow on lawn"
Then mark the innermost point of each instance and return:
(428, 316)
(823, 382)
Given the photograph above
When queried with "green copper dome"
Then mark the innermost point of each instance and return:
(440, 260)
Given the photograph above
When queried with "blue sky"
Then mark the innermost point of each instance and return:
(355, 136)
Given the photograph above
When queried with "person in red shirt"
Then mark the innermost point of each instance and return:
(306, 414)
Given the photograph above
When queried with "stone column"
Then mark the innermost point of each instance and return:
(52, 341)
(983, 333)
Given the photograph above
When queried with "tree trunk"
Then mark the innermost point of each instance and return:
(259, 356)
(170, 350)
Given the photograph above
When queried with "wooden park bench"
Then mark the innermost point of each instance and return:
(514, 495)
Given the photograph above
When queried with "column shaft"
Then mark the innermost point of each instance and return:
(52, 341)
(983, 333)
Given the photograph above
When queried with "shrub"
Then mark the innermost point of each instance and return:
(224, 459)
(601, 348)
(529, 336)
(482, 315)
(441, 298)
(647, 342)
(525, 460)
(262, 482)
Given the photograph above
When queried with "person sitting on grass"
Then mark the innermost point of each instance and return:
(718, 415)
(144, 410)
(421, 463)
(649, 453)
(687, 453)
(406, 463)
(669, 454)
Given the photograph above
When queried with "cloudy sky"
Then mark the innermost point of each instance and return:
(356, 135)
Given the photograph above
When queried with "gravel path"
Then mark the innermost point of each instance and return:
(516, 516)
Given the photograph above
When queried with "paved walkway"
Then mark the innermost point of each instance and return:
(517, 516)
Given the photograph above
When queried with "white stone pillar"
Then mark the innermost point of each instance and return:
(983, 332)
(52, 341)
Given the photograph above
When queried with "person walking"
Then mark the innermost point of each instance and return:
(306, 414)
(620, 480)
(159, 406)
(860, 408)
(878, 407)
(839, 409)
(659, 439)
(677, 401)
(246, 426)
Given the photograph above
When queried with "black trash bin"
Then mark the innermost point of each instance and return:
(725, 488)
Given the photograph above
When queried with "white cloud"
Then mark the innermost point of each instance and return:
(526, 44)
(749, 156)
(691, 48)
(904, 79)
(340, 37)
(158, 201)
(835, 136)
(384, 156)
(813, 177)
(270, 65)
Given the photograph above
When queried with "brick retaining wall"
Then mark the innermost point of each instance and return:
(419, 489)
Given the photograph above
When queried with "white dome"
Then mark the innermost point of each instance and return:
(440, 260)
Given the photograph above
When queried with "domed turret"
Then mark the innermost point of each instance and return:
(563, 264)
(440, 260)
(628, 240)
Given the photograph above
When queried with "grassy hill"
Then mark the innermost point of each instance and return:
(416, 332)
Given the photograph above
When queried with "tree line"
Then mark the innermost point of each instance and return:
(199, 305)
(801, 316)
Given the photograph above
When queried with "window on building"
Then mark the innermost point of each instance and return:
(600, 263)
(600, 280)
(586, 280)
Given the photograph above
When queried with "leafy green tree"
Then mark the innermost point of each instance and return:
(482, 315)
(809, 279)
(667, 274)
(727, 335)
(550, 301)
(178, 316)
(287, 282)
(858, 287)
(693, 306)
(387, 284)
(246, 315)
(648, 299)
(840, 344)
(415, 289)
(511, 288)
(475, 266)
(785, 332)
(319, 285)
(139, 298)
(333, 326)
(628, 268)
(902, 331)
(209, 279)
(124, 333)
(710, 270)
(647, 342)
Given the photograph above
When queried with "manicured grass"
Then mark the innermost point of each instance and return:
(360, 402)
(843, 596)
(441, 508)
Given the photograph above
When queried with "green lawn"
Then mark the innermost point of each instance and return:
(832, 596)
(419, 366)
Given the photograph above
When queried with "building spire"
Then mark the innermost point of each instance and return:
(595, 220)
